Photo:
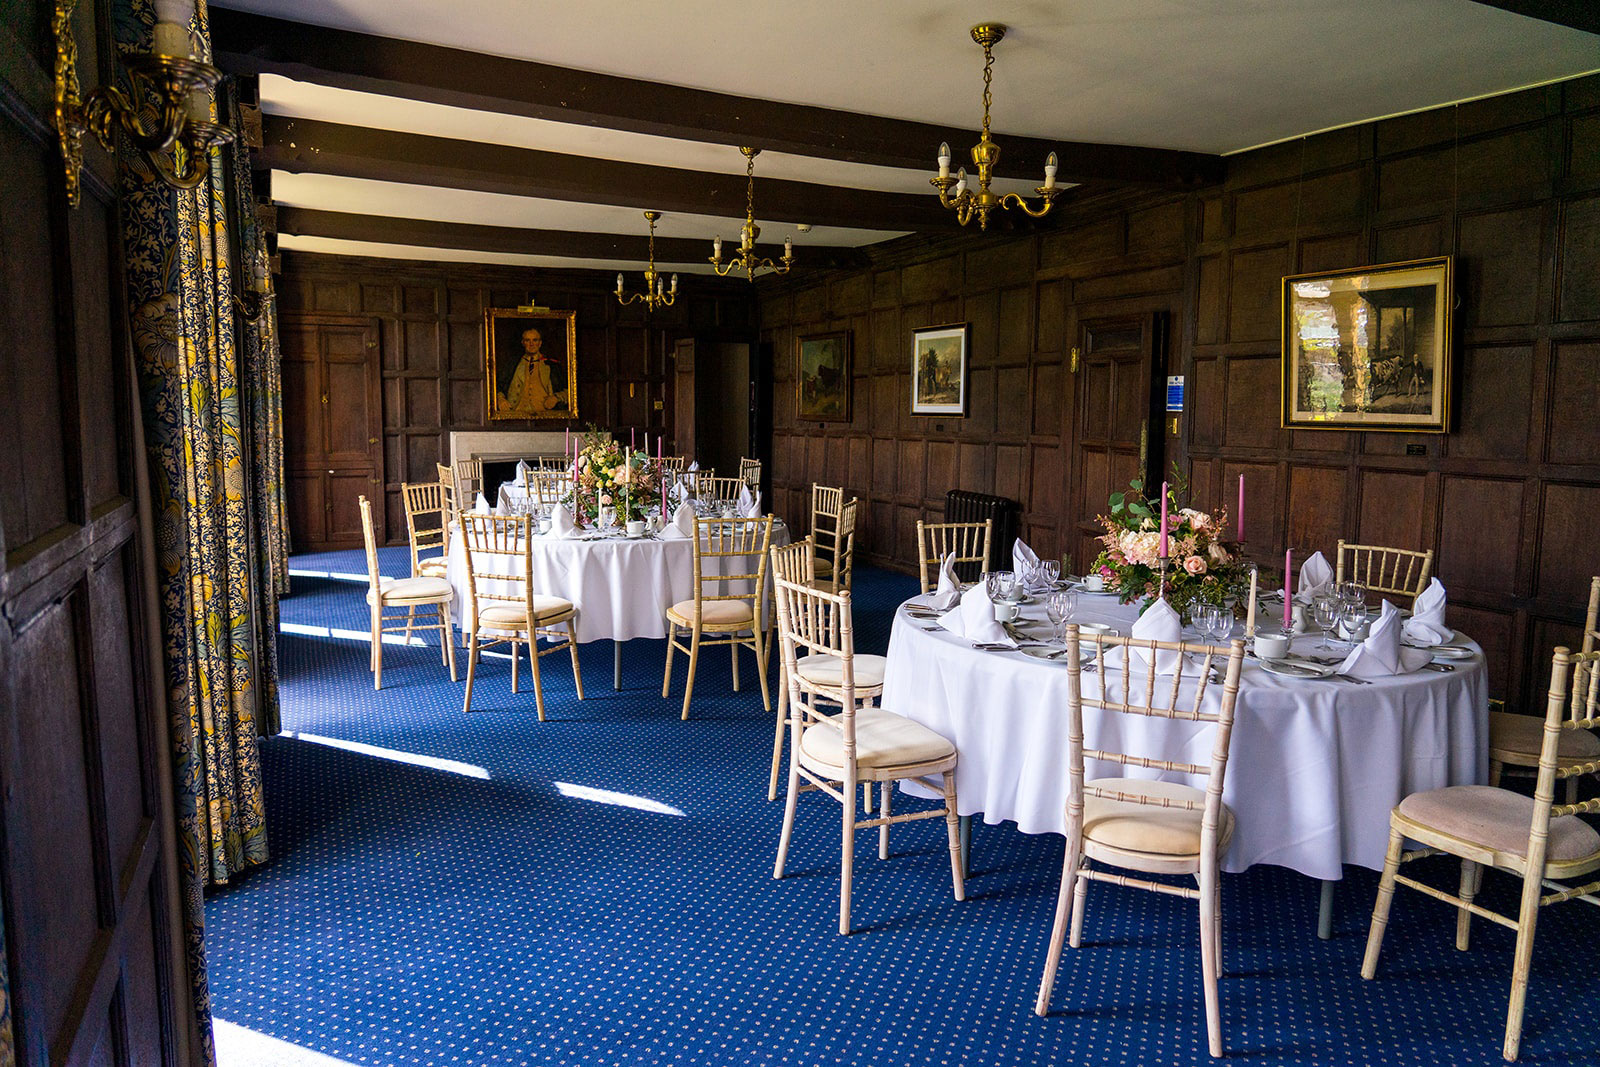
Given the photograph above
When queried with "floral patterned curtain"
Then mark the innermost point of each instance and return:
(211, 415)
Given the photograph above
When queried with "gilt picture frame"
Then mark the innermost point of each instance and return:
(530, 364)
(1368, 349)
(939, 370)
(823, 377)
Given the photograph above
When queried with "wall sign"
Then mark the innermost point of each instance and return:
(1175, 392)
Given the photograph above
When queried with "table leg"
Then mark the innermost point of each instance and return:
(616, 664)
(965, 822)
(1325, 911)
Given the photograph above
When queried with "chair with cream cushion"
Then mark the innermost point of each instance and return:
(1400, 572)
(1541, 843)
(409, 593)
(793, 563)
(970, 542)
(730, 598)
(427, 527)
(837, 739)
(1140, 824)
(1515, 741)
(504, 609)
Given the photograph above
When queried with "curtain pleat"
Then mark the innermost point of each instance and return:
(217, 512)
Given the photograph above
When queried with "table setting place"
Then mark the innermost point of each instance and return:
(1328, 632)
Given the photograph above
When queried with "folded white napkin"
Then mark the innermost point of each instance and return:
(561, 522)
(694, 465)
(678, 494)
(749, 504)
(1025, 561)
(523, 470)
(1381, 654)
(1158, 623)
(1316, 578)
(949, 592)
(682, 524)
(482, 506)
(974, 619)
(1426, 625)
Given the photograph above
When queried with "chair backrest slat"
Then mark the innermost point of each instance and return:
(731, 539)
(425, 501)
(469, 481)
(793, 562)
(1397, 571)
(370, 542)
(750, 471)
(820, 624)
(970, 541)
(503, 536)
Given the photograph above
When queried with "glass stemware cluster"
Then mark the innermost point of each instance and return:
(1213, 621)
(1343, 608)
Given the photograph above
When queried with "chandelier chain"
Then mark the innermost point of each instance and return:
(988, 82)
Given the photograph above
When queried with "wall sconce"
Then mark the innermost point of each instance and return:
(166, 112)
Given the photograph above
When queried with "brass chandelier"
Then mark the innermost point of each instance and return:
(656, 291)
(986, 156)
(747, 260)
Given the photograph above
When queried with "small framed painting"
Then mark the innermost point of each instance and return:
(1368, 349)
(530, 363)
(823, 377)
(939, 370)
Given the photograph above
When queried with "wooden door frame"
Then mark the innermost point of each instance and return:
(374, 384)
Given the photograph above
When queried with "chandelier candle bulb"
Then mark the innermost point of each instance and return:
(788, 248)
(619, 284)
(1050, 171)
(172, 28)
(674, 283)
(944, 160)
(961, 181)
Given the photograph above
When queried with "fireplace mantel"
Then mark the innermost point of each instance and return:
(506, 444)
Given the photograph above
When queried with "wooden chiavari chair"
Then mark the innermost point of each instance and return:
(750, 471)
(970, 541)
(731, 547)
(469, 482)
(836, 577)
(425, 500)
(504, 609)
(831, 750)
(556, 464)
(1145, 825)
(447, 479)
(1537, 840)
(1396, 571)
(408, 593)
(826, 503)
(1516, 742)
(719, 490)
(673, 464)
(548, 487)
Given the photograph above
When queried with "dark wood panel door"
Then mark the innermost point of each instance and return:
(1116, 438)
(683, 397)
(91, 915)
(333, 428)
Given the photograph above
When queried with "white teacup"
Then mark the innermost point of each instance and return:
(1094, 583)
(1005, 611)
(635, 528)
(1271, 645)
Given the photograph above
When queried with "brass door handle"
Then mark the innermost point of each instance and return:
(372, 440)
(324, 398)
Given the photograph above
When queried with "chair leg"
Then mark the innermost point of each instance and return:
(1380, 908)
(733, 649)
(666, 679)
(444, 621)
(788, 817)
(952, 831)
(533, 670)
(1469, 889)
(847, 854)
(1496, 769)
(472, 666)
(761, 669)
(1058, 931)
(866, 797)
(1522, 961)
(883, 831)
(514, 671)
(572, 646)
(448, 637)
(694, 664)
(777, 741)
(1208, 958)
(1080, 904)
(377, 647)
(411, 620)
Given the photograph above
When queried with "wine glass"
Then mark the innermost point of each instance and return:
(1007, 582)
(1325, 612)
(1209, 621)
(1059, 607)
(1050, 571)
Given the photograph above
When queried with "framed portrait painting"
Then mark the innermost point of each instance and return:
(1369, 349)
(939, 370)
(530, 363)
(823, 377)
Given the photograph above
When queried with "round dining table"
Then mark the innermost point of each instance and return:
(1315, 764)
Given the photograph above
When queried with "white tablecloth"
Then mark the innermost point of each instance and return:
(1314, 768)
(622, 587)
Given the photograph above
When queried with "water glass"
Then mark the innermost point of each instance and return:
(1325, 612)
(1059, 607)
(1050, 570)
(1007, 583)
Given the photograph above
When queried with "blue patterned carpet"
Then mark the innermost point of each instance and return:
(597, 889)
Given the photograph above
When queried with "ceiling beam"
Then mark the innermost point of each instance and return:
(308, 146)
(1575, 14)
(255, 44)
(310, 222)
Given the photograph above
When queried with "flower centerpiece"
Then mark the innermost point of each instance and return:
(1201, 566)
(607, 475)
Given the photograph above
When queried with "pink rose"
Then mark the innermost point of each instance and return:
(605, 499)
(1194, 565)
(1107, 572)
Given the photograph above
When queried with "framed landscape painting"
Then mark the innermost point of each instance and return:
(939, 370)
(823, 377)
(530, 363)
(1368, 349)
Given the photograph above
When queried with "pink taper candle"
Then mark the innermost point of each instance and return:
(1240, 522)
(631, 442)
(1288, 588)
(1163, 520)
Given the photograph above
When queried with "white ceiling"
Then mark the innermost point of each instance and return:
(1205, 75)
(338, 247)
